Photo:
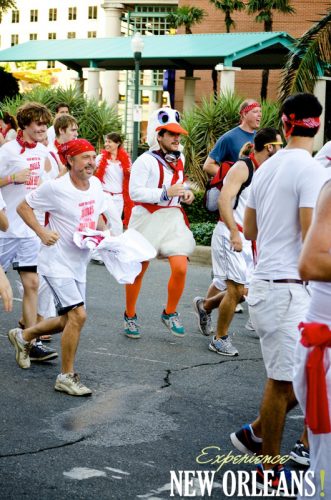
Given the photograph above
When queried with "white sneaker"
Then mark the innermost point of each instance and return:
(71, 384)
(239, 308)
(22, 348)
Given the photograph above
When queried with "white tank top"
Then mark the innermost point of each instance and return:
(238, 213)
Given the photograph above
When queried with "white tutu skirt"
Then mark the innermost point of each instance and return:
(165, 229)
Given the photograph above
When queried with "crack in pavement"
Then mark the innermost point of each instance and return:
(166, 379)
(43, 449)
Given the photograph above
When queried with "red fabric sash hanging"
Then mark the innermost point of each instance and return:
(318, 336)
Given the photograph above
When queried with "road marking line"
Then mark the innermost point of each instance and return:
(119, 471)
(84, 473)
(130, 357)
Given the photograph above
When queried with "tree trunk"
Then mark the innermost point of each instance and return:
(228, 21)
(264, 84)
(265, 73)
(214, 76)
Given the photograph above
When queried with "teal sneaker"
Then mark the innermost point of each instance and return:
(172, 322)
(131, 328)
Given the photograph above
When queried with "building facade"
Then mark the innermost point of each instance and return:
(248, 83)
(81, 19)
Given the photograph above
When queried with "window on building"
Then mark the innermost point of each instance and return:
(50, 64)
(147, 19)
(91, 34)
(51, 36)
(93, 12)
(34, 16)
(72, 13)
(33, 36)
(52, 14)
(14, 40)
(71, 34)
(15, 16)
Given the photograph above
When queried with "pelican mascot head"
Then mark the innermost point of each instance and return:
(166, 119)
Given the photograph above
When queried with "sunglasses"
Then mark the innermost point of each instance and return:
(273, 144)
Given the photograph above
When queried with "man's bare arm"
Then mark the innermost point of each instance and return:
(250, 224)
(315, 259)
(27, 214)
(6, 293)
(237, 175)
(210, 166)
(3, 221)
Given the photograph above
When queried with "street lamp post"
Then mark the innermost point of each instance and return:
(137, 46)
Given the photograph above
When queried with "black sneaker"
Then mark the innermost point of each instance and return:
(244, 442)
(39, 352)
(300, 454)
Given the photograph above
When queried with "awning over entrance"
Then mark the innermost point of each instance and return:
(201, 51)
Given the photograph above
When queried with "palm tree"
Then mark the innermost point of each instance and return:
(7, 4)
(265, 10)
(186, 16)
(312, 54)
(228, 7)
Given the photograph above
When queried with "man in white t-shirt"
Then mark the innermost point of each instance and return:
(73, 202)
(278, 214)
(22, 162)
(61, 109)
(66, 129)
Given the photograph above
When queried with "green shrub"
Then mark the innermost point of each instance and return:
(202, 232)
(94, 119)
(196, 212)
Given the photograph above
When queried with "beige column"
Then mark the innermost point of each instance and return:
(189, 92)
(228, 76)
(111, 27)
(93, 83)
(79, 84)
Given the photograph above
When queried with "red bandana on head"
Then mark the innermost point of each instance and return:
(249, 107)
(74, 148)
(290, 122)
(24, 144)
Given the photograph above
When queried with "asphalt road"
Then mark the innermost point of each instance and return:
(157, 403)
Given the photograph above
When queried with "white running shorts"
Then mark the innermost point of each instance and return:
(275, 310)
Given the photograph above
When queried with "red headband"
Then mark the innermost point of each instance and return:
(75, 147)
(249, 107)
(290, 122)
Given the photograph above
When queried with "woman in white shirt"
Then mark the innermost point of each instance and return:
(8, 127)
(113, 170)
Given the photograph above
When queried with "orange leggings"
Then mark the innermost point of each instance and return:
(176, 284)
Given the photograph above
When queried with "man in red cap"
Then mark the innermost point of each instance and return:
(157, 188)
(73, 202)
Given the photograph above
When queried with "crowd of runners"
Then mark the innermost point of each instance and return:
(268, 249)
